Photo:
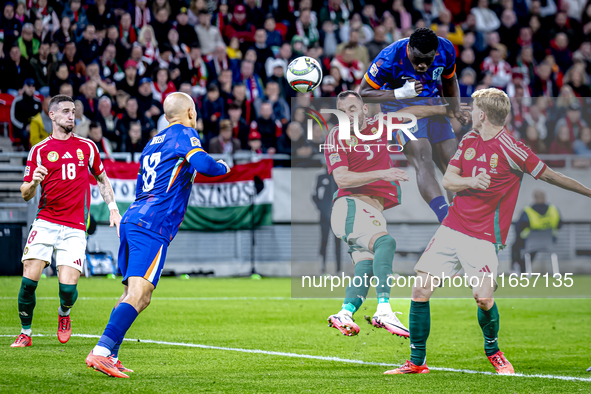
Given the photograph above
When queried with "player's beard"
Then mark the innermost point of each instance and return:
(66, 128)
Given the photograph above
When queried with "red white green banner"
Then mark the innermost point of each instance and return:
(223, 204)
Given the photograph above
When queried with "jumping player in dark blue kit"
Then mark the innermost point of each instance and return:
(168, 166)
(410, 68)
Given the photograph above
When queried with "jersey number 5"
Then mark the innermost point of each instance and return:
(149, 170)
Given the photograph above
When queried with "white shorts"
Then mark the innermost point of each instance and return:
(449, 251)
(45, 237)
(356, 222)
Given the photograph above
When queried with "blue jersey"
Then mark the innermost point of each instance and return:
(391, 68)
(168, 166)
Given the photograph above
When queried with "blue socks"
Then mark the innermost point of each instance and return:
(121, 319)
(115, 350)
(440, 207)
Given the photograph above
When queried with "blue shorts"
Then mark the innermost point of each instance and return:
(141, 253)
(434, 128)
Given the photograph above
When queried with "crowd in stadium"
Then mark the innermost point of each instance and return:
(120, 59)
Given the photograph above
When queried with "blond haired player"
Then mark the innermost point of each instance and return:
(486, 173)
(60, 164)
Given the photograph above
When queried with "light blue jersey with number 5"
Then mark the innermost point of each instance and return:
(168, 166)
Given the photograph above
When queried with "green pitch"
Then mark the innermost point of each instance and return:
(233, 316)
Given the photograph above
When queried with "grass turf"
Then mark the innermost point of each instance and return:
(539, 336)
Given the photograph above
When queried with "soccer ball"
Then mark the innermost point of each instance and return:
(304, 74)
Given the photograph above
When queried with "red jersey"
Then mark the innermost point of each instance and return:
(363, 156)
(65, 191)
(486, 214)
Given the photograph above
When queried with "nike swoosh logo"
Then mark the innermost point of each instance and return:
(407, 77)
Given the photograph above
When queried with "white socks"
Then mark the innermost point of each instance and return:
(101, 351)
(384, 308)
(26, 331)
(62, 313)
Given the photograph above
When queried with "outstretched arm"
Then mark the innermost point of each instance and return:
(108, 195)
(451, 91)
(556, 178)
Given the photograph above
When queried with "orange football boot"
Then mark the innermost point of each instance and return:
(104, 365)
(120, 366)
(408, 367)
(23, 340)
(501, 364)
(64, 329)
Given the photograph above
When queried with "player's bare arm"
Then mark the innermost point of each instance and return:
(425, 111)
(410, 89)
(454, 182)
(451, 91)
(557, 179)
(108, 194)
(28, 189)
(346, 179)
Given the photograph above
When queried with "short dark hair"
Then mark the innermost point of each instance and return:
(60, 98)
(234, 106)
(348, 93)
(424, 40)
(94, 124)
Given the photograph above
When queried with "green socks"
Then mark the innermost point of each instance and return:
(26, 302)
(419, 327)
(355, 295)
(384, 249)
(489, 322)
(68, 296)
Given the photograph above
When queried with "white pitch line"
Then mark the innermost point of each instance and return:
(188, 298)
(324, 358)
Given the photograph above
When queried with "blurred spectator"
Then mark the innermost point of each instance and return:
(213, 110)
(95, 134)
(210, 36)
(583, 56)
(359, 53)
(77, 15)
(467, 82)
(132, 142)
(240, 27)
(132, 115)
(568, 26)
(427, 11)
(147, 39)
(329, 38)
(267, 127)
(305, 27)
(88, 99)
(107, 120)
(560, 51)
(130, 83)
(224, 142)
(582, 145)
(15, 69)
(41, 126)
(366, 33)
(350, 69)
(328, 86)
(572, 122)
(225, 85)
(544, 84)
(261, 48)
(534, 140)
(498, 67)
(60, 77)
(467, 59)
(76, 67)
(254, 13)
(147, 105)
(127, 33)
(23, 108)
(44, 65)
(335, 11)
(508, 31)
(10, 26)
(27, 43)
(89, 46)
(233, 49)
(160, 4)
(187, 32)
(109, 68)
(194, 70)
(102, 86)
(82, 122)
(67, 90)
(281, 111)
(274, 38)
(486, 19)
(219, 61)
(253, 83)
(240, 128)
(402, 18)
(578, 80)
(393, 33)
(562, 145)
(141, 14)
(535, 118)
(64, 34)
(254, 143)
(454, 32)
(370, 15)
(375, 46)
(46, 15)
(100, 15)
(162, 86)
